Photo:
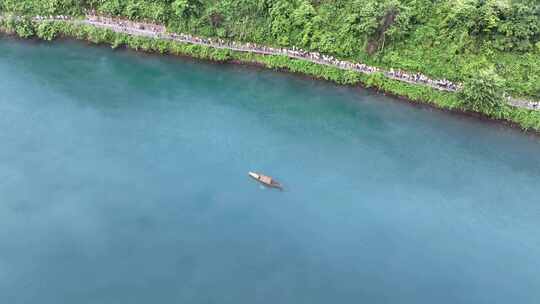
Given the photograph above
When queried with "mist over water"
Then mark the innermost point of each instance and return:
(123, 179)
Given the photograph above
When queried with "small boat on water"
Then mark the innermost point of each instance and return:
(265, 180)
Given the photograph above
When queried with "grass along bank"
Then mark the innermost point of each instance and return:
(49, 30)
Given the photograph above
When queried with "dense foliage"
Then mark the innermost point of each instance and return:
(441, 38)
(489, 45)
(484, 92)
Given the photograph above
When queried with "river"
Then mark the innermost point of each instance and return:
(123, 179)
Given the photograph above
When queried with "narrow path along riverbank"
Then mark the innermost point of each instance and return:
(157, 31)
(160, 32)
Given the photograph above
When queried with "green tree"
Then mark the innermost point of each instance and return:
(302, 18)
(25, 28)
(187, 8)
(46, 30)
(111, 7)
(483, 92)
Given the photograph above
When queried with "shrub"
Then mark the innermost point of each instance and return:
(375, 80)
(46, 31)
(483, 92)
(24, 28)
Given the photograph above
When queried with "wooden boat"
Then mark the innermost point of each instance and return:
(265, 180)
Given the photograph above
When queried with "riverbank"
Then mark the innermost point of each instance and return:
(141, 39)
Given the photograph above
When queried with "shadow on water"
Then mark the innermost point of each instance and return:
(155, 81)
(151, 69)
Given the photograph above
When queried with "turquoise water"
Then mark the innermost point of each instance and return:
(123, 180)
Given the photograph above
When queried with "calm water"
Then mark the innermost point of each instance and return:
(123, 180)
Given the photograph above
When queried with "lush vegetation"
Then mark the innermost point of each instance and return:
(491, 46)
(441, 38)
(484, 92)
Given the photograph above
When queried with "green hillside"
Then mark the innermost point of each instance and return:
(452, 39)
